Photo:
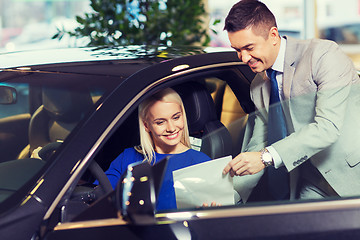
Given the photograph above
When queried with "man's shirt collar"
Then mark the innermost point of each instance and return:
(280, 60)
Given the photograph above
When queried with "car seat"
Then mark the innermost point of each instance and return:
(203, 121)
(59, 113)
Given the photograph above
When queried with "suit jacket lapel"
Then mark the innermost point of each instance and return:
(289, 69)
(264, 82)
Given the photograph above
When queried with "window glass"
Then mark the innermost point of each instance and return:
(214, 116)
(37, 112)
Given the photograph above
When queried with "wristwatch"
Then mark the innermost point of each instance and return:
(266, 157)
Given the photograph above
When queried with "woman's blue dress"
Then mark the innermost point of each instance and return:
(166, 198)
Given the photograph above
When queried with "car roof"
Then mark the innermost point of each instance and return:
(148, 54)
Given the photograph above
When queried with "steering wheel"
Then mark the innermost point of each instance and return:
(94, 168)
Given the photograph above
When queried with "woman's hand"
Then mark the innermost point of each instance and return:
(212, 204)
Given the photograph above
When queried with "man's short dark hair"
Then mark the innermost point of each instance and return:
(250, 14)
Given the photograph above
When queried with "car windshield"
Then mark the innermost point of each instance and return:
(38, 109)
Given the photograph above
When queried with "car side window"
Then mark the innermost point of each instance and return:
(221, 122)
(229, 110)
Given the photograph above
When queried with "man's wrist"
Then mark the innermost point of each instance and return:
(266, 158)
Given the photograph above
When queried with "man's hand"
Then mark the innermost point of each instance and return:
(246, 163)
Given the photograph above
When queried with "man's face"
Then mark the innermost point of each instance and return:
(254, 50)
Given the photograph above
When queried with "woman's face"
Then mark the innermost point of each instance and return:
(166, 123)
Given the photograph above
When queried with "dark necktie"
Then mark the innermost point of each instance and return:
(278, 179)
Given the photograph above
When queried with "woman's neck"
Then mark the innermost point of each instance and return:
(180, 148)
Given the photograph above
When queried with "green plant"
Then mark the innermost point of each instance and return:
(149, 22)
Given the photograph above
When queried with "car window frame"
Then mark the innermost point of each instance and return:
(166, 81)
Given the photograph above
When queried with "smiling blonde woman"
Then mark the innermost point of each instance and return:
(163, 132)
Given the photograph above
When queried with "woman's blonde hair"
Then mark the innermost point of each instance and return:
(167, 95)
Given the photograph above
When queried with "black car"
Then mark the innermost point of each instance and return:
(80, 106)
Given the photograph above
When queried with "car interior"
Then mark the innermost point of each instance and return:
(214, 114)
(199, 98)
(203, 120)
(209, 103)
(59, 113)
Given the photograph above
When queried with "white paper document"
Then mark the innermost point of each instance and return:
(204, 183)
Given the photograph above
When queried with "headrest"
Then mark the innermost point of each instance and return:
(199, 105)
(66, 105)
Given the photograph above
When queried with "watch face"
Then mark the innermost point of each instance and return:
(267, 157)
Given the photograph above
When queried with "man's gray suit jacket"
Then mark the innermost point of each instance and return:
(322, 111)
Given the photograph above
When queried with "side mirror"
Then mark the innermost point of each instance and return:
(136, 192)
(8, 95)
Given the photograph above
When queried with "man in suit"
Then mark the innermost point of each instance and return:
(319, 92)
